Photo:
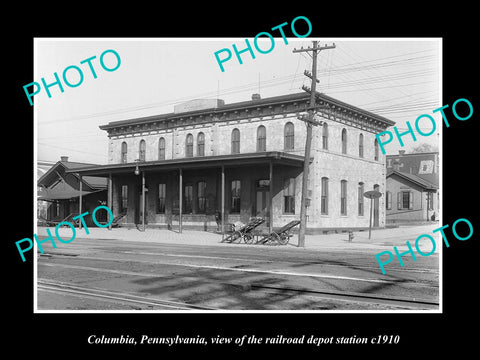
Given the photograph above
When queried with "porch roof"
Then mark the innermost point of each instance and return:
(216, 161)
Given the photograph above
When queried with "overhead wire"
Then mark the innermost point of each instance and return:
(349, 64)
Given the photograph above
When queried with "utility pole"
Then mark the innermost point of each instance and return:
(308, 142)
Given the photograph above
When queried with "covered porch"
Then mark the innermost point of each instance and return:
(203, 192)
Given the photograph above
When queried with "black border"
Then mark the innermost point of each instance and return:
(55, 334)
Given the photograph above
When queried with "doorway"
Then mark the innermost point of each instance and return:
(262, 199)
(139, 209)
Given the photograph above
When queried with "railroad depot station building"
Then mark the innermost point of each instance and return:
(244, 159)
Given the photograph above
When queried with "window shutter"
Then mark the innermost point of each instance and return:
(399, 201)
(410, 200)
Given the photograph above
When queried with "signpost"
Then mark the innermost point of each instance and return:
(372, 194)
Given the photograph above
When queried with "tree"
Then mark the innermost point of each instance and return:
(423, 148)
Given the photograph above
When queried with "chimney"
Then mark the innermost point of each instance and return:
(64, 158)
(256, 97)
(401, 152)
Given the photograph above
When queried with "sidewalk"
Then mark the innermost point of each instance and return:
(381, 239)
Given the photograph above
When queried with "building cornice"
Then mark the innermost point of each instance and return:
(284, 105)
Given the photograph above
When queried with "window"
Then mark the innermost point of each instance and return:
(388, 201)
(324, 200)
(289, 136)
(201, 197)
(124, 199)
(56, 209)
(201, 144)
(235, 141)
(235, 196)
(261, 138)
(376, 149)
(161, 148)
(124, 153)
(360, 198)
(405, 200)
(343, 197)
(344, 141)
(162, 190)
(188, 198)
(142, 150)
(325, 136)
(289, 196)
(189, 146)
(360, 145)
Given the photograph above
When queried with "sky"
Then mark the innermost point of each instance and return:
(399, 79)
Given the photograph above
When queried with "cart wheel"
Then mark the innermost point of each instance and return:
(248, 238)
(274, 239)
(283, 239)
(236, 235)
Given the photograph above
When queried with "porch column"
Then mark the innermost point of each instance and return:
(110, 198)
(180, 190)
(80, 200)
(143, 200)
(223, 199)
(270, 223)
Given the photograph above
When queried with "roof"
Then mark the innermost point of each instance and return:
(216, 161)
(67, 192)
(303, 96)
(425, 184)
(424, 165)
(53, 174)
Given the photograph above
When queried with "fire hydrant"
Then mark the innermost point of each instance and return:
(350, 236)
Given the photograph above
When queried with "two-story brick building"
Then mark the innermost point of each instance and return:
(245, 159)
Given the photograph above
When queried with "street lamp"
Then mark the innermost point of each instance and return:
(137, 170)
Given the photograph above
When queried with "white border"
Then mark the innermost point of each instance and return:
(440, 254)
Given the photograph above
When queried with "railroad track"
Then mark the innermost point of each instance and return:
(254, 288)
(114, 296)
(402, 302)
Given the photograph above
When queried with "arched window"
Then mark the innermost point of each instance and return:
(289, 134)
(235, 197)
(142, 150)
(360, 145)
(343, 197)
(161, 148)
(124, 153)
(235, 141)
(388, 201)
(201, 197)
(344, 141)
(324, 199)
(189, 146)
(325, 136)
(201, 144)
(376, 149)
(360, 198)
(261, 138)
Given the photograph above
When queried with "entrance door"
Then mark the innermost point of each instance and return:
(139, 209)
(376, 208)
(262, 197)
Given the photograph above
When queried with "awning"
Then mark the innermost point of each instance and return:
(64, 194)
(233, 160)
